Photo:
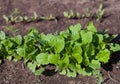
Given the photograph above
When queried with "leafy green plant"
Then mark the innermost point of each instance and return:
(74, 51)
(100, 12)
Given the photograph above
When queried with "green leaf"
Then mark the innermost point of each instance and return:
(39, 71)
(31, 66)
(71, 73)
(54, 58)
(95, 64)
(59, 44)
(100, 38)
(20, 52)
(78, 57)
(86, 36)
(77, 48)
(56, 42)
(91, 27)
(17, 39)
(7, 43)
(86, 59)
(82, 71)
(9, 58)
(114, 47)
(74, 30)
(103, 56)
(63, 72)
(63, 63)
(42, 58)
(2, 35)
(32, 31)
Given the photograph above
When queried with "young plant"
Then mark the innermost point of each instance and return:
(88, 13)
(78, 15)
(11, 18)
(50, 17)
(7, 19)
(35, 17)
(26, 19)
(69, 14)
(100, 12)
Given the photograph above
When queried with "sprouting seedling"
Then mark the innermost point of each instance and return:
(35, 17)
(100, 12)
(66, 14)
(15, 11)
(26, 19)
(88, 13)
(69, 14)
(6, 18)
(50, 17)
(11, 18)
(78, 15)
(19, 19)
(72, 14)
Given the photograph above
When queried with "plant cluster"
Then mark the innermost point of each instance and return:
(34, 18)
(74, 51)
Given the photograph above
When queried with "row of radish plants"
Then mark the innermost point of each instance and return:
(72, 52)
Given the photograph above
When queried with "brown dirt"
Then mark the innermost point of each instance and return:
(17, 73)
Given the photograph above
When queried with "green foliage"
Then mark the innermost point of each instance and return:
(100, 12)
(74, 51)
(48, 18)
(69, 14)
(14, 19)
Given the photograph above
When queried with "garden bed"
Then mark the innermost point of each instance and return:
(18, 73)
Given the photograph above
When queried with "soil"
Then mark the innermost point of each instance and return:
(18, 73)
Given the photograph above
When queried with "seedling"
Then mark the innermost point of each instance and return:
(78, 15)
(26, 19)
(100, 12)
(16, 11)
(50, 17)
(35, 17)
(69, 14)
(6, 19)
(12, 17)
(88, 13)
